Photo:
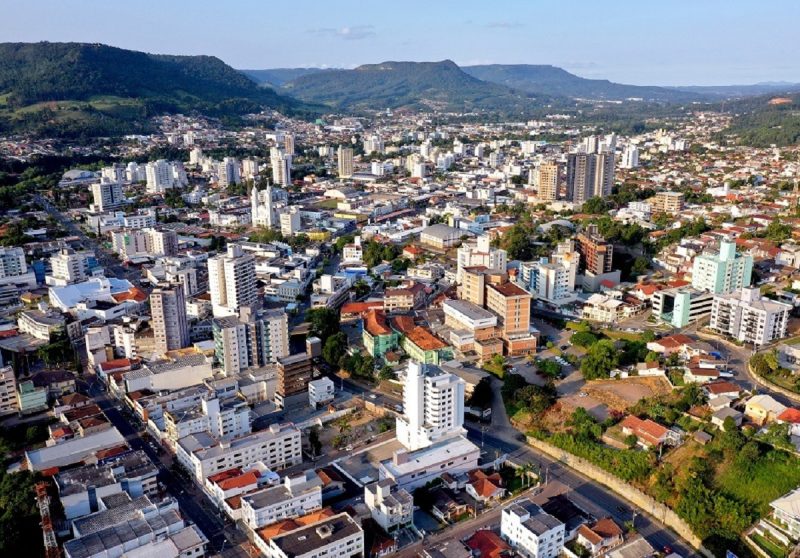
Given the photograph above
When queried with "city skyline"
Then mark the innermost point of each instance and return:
(676, 44)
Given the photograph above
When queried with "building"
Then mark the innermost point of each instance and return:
(723, 272)
(297, 495)
(13, 269)
(344, 157)
(479, 253)
(8, 391)
(294, 373)
(553, 279)
(786, 510)
(512, 305)
(231, 281)
(262, 210)
(69, 267)
(169, 322)
(589, 175)
(391, 507)
(667, 202)
(278, 447)
(682, 306)
(281, 167)
(107, 195)
(31, 398)
(530, 531)
(376, 334)
(228, 172)
(440, 237)
(252, 339)
(162, 175)
(338, 536)
(433, 406)
(748, 317)
(630, 157)
(549, 181)
(290, 221)
(320, 391)
(596, 253)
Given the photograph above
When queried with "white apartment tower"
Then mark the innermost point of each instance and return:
(480, 253)
(159, 176)
(107, 195)
(433, 403)
(228, 172)
(723, 272)
(252, 339)
(231, 281)
(630, 157)
(68, 267)
(290, 221)
(345, 161)
(281, 167)
(170, 326)
(748, 317)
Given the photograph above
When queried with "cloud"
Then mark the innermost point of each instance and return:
(348, 33)
(504, 25)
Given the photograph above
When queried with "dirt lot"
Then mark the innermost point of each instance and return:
(353, 430)
(619, 395)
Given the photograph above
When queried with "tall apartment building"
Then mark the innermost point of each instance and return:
(290, 221)
(474, 281)
(589, 175)
(170, 326)
(345, 161)
(251, 339)
(8, 391)
(163, 243)
(250, 168)
(480, 253)
(512, 305)
(281, 167)
(68, 267)
(373, 144)
(747, 316)
(596, 253)
(552, 279)
(549, 180)
(667, 202)
(297, 495)
(723, 272)
(107, 195)
(14, 270)
(161, 176)
(433, 406)
(630, 157)
(294, 373)
(228, 172)
(231, 281)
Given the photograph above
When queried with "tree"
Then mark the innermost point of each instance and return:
(386, 373)
(314, 442)
(496, 365)
(595, 206)
(548, 368)
(335, 348)
(600, 360)
(324, 322)
(584, 339)
(481, 395)
(640, 266)
(518, 242)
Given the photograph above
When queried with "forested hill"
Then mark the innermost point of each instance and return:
(64, 85)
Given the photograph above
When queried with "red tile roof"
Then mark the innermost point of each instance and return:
(646, 430)
(488, 544)
(790, 415)
(375, 323)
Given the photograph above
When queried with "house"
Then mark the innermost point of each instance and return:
(672, 344)
(791, 417)
(786, 510)
(568, 513)
(488, 544)
(720, 388)
(447, 506)
(647, 432)
(762, 409)
(718, 418)
(485, 488)
(720, 402)
(699, 375)
(602, 535)
(637, 547)
(391, 507)
(652, 368)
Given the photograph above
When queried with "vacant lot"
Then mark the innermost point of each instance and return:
(619, 395)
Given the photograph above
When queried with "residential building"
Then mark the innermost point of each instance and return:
(69, 267)
(228, 172)
(549, 181)
(170, 326)
(320, 391)
(251, 339)
(278, 447)
(553, 279)
(530, 531)
(281, 167)
(749, 317)
(8, 391)
(290, 221)
(512, 305)
(107, 195)
(763, 409)
(589, 175)
(231, 281)
(297, 495)
(224, 419)
(479, 253)
(376, 334)
(630, 157)
(294, 373)
(786, 510)
(391, 507)
(433, 406)
(13, 269)
(723, 272)
(338, 536)
(596, 253)
(667, 202)
(344, 157)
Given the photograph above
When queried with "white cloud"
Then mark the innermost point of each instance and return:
(348, 33)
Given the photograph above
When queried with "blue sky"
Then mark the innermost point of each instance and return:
(672, 42)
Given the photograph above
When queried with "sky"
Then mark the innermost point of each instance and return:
(662, 42)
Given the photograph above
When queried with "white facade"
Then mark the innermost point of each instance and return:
(336, 537)
(630, 157)
(68, 267)
(480, 253)
(281, 167)
(433, 404)
(231, 281)
(723, 272)
(320, 391)
(553, 280)
(290, 221)
(530, 531)
(390, 507)
(8, 391)
(297, 495)
(107, 195)
(251, 339)
(747, 316)
(228, 172)
(170, 325)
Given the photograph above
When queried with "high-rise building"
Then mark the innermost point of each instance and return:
(288, 143)
(170, 326)
(228, 172)
(552, 279)
(231, 281)
(667, 202)
(433, 406)
(630, 157)
(373, 144)
(723, 272)
(290, 221)
(159, 176)
(12, 262)
(163, 243)
(69, 267)
(345, 161)
(294, 373)
(747, 316)
(281, 167)
(250, 168)
(549, 174)
(596, 253)
(589, 175)
(8, 391)
(512, 306)
(107, 195)
(252, 339)
(480, 253)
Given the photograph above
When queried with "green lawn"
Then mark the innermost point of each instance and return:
(768, 546)
(775, 474)
(626, 335)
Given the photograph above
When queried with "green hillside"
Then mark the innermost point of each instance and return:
(278, 76)
(550, 80)
(760, 124)
(90, 89)
(414, 85)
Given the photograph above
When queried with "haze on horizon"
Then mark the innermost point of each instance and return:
(677, 43)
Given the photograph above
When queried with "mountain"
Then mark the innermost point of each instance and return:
(91, 89)
(278, 76)
(765, 121)
(734, 91)
(415, 85)
(551, 80)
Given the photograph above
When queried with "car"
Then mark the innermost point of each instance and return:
(564, 347)
(582, 394)
(373, 396)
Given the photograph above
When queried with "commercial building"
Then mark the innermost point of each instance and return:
(231, 281)
(723, 272)
(290, 221)
(170, 326)
(682, 306)
(512, 305)
(294, 373)
(530, 531)
(320, 391)
(748, 317)
(440, 237)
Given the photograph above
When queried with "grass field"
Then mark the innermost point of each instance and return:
(768, 546)
(626, 335)
(772, 476)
